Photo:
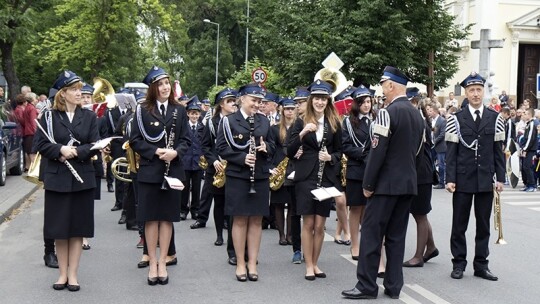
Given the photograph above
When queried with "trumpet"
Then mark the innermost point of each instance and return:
(220, 177)
(497, 217)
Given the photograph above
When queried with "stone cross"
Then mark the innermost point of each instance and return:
(485, 45)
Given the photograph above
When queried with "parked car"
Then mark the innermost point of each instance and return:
(11, 152)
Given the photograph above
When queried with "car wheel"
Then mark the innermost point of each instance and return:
(3, 169)
(19, 168)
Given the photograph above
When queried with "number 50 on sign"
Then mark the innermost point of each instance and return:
(259, 75)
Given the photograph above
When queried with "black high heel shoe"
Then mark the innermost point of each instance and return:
(152, 281)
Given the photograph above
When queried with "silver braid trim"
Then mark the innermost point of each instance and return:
(229, 137)
(355, 139)
(499, 129)
(451, 132)
(381, 126)
(128, 127)
(49, 122)
(143, 130)
(473, 146)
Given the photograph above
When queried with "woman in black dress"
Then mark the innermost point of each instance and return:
(281, 197)
(68, 132)
(356, 145)
(319, 135)
(160, 136)
(245, 142)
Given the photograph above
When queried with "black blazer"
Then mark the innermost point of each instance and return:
(439, 144)
(151, 168)
(194, 152)
(236, 166)
(391, 164)
(356, 156)
(473, 174)
(425, 165)
(309, 160)
(208, 143)
(56, 176)
(281, 148)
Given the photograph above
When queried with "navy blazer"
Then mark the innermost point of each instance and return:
(425, 164)
(439, 144)
(309, 160)
(281, 148)
(208, 143)
(471, 171)
(151, 168)
(56, 175)
(356, 155)
(194, 152)
(235, 157)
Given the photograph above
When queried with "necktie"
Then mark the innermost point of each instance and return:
(162, 108)
(193, 128)
(477, 120)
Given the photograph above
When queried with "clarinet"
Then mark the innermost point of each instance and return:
(252, 151)
(170, 144)
(321, 163)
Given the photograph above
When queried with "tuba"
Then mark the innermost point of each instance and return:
(276, 180)
(104, 92)
(219, 177)
(333, 77)
(497, 217)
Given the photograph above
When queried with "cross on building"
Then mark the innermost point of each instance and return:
(485, 45)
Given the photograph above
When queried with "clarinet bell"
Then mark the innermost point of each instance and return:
(252, 188)
(164, 185)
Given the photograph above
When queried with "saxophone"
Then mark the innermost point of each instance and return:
(203, 163)
(343, 170)
(497, 217)
(219, 177)
(276, 180)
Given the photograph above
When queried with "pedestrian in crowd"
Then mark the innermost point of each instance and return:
(494, 104)
(30, 115)
(438, 127)
(18, 114)
(528, 143)
(245, 142)
(474, 138)
(68, 132)
(390, 184)
(421, 204)
(160, 136)
(451, 101)
(503, 98)
(319, 135)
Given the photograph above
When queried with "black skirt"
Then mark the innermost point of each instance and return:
(280, 196)
(355, 193)
(156, 204)
(69, 214)
(421, 204)
(238, 200)
(305, 202)
(97, 189)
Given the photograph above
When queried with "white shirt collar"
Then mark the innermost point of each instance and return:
(472, 110)
(166, 104)
(192, 124)
(243, 113)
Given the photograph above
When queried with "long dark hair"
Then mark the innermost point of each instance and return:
(355, 110)
(330, 113)
(151, 97)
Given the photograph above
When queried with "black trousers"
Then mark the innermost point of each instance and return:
(528, 168)
(119, 192)
(109, 176)
(386, 216)
(205, 202)
(129, 205)
(295, 221)
(192, 186)
(219, 213)
(462, 203)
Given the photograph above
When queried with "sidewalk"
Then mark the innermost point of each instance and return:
(13, 194)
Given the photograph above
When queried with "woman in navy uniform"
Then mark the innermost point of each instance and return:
(356, 147)
(281, 197)
(224, 105)
(320, 124)
(239, 134)
(151, 138)
(421, 204)
(69, 203)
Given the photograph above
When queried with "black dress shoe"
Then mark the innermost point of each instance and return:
(388, 293)
(152, 281)
(132, 227)
(143, 264)
(122, 219)
(485, 274)
(163, 280)
(197, 225)
(51, 260)
(321, 275)
(431, 255)
(183, 216)
(241, 277)
(219, 241)
(74, 287)
(172, 262)
(310, 277)
(116, 208)
(457, 273)
(59, 286)
(356, 294)
(409, 264)
(232, 261)
(110, 188)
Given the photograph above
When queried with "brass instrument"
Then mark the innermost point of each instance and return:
(333, 77)
(33, 172)
(203, 163)
(104, 92)
(107, 155)
(497, 217)
(343, 170)
(122, 166)
(220, 177)
(252, 150)
(277, 180)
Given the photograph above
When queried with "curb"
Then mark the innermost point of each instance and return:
(17, 204)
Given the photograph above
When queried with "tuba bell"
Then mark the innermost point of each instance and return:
(333, 77)
(104, 92)
(123, 166)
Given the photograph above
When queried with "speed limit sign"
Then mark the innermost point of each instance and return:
(259, 75)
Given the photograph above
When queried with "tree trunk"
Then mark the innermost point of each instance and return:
(8, 67)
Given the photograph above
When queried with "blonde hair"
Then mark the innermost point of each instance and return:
(330, 113)
(59, 101)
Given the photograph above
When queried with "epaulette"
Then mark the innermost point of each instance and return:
(451, 133)
(499, 128)
(381, 126)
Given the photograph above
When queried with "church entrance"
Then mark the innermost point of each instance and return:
(528, 67)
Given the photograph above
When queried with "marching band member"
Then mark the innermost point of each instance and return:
(281, 197)
(319, 135)
(474, 155)
(69, 179)
(356, 147)
(159, 135)
(397, 136)
(421, 204)
(245, 142)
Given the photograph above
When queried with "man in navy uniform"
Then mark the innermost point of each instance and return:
(474, 154)
(397, 138)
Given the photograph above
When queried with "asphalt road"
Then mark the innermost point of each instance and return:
(109, 274)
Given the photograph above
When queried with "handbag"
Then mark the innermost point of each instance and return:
(33, 172)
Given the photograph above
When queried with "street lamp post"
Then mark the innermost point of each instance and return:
(217, 47)
(247, 36)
